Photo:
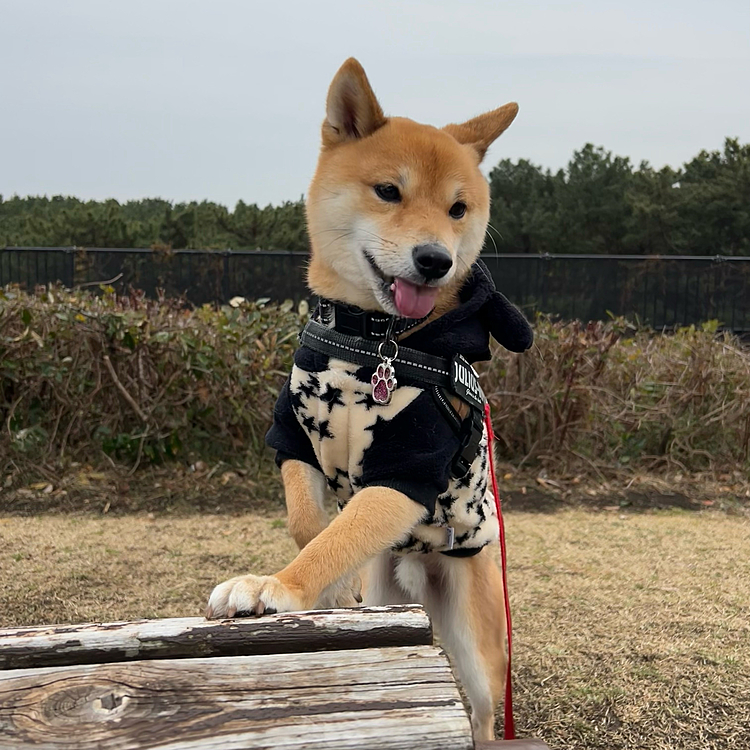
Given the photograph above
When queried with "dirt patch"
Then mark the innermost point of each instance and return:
(537, 501)
(224, 489)
(631, 629)
(173, 489)
(532, 492)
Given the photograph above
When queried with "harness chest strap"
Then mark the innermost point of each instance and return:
(454, 374)
(412, 365)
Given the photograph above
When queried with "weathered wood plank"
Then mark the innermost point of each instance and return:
(96, 643)
(401, 697)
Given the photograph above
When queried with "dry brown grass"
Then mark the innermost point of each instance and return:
(80, 568)
(631, 630)
(130, 380)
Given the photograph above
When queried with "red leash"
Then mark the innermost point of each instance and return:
(509, 726)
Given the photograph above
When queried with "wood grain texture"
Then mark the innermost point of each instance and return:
(97, 643)
(402, 697)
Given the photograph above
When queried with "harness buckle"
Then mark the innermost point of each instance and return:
(469, 446)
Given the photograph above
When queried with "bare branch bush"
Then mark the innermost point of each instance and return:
(609, 397)
(142, 381)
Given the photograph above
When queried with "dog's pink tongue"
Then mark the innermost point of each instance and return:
(413, 301)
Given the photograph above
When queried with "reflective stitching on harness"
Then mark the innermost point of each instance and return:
(450, 412)
(423, 367)
(414, 323)
(342, 346)
(372, 354)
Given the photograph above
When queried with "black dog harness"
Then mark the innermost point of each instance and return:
(369, 410)
(413, 367)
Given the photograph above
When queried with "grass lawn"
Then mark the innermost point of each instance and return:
(632, 630)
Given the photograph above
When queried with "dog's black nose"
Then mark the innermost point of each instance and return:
(432, 261)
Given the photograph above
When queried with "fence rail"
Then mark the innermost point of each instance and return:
(661, 291)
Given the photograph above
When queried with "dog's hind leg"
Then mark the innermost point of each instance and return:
(465, 599)
(379, 586)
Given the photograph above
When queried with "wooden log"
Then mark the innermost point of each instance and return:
(98, 643)
(401, 697)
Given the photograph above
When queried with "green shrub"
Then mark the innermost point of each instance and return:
(144, 381)
(140, 380)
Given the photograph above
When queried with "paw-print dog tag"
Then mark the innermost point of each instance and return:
(383, 382)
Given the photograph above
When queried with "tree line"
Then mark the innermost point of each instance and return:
(599, 203)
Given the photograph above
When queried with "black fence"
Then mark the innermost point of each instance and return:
(664, 291)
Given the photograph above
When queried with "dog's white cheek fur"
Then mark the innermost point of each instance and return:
(335, 237)
(471, 241)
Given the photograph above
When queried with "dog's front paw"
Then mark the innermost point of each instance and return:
(346, 592)
(252, 595)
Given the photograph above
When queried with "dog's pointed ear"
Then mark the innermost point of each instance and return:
(480, 132)
(352, 111)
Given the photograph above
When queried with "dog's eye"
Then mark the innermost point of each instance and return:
(457, 210)
(389, 193)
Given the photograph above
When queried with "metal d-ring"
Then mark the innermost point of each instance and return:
(380, 350)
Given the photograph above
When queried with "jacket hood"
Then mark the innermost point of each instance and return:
(482, 312)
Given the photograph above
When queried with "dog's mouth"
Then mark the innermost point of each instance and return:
(409, 299)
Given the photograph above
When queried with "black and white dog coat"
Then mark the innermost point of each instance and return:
(326, 416)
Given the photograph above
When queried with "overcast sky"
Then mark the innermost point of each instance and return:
(223, 99)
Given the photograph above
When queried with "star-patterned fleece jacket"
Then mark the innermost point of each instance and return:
(326, 417)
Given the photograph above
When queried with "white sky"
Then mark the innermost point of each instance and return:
(223, 99)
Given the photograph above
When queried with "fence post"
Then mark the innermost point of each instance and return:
(71, 251)
(718, 289)
(545, 268)
(225, 277)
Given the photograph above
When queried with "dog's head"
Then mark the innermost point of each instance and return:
(396, 211)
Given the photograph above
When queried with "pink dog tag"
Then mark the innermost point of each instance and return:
(383, 382)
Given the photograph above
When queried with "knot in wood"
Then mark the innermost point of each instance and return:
(110, 701)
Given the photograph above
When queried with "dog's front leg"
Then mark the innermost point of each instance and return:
(304, 487)
(373, 520)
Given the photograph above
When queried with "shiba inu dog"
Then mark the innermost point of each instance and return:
(382, 406)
